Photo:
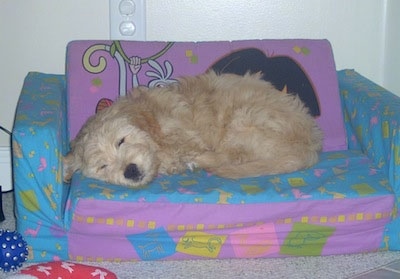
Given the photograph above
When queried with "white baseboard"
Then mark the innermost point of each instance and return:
(5, 168)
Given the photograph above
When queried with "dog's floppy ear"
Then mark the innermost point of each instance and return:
(147, 122)
(71, 163)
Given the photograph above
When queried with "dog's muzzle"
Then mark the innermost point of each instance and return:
(132, 172)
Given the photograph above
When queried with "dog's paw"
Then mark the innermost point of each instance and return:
(171, 169)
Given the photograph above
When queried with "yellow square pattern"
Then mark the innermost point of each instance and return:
(189, 53)
(181, 227)
(152, 225)
(288, 220)
(200, 227)
(323, 219)
(110, 221)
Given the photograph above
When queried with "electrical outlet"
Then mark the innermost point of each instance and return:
(128, 20)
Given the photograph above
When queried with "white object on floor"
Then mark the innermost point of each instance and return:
(5, 168)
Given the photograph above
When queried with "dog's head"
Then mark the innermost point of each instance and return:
(112, 148)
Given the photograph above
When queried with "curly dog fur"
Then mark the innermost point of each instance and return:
(233, 126)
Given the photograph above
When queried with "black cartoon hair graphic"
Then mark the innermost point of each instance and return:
(282, 71)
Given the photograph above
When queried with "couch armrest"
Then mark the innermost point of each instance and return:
(39, 139)
(372, 116)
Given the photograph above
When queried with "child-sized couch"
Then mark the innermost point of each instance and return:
(346, 203)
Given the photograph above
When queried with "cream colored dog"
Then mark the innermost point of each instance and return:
(233, 126)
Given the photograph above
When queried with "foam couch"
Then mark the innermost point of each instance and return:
(346, 203)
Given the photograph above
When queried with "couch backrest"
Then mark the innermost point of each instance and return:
(99, 71)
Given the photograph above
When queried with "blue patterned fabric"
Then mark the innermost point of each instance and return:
(338, 174)
(39, 141)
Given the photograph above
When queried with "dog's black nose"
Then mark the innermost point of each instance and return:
(132, 172)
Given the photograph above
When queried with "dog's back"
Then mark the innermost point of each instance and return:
(250, 127)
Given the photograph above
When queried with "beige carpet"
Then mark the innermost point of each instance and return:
(367, 266)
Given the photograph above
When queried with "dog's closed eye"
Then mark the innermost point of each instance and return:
(102, 167)
(121, 141)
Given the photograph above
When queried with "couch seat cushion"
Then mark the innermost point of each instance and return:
(327, 209)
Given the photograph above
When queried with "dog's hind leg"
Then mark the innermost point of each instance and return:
(235, 171)
(256, 168)
(213, 160)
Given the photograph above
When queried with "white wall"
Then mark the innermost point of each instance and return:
(391, 71)
(33, 36)
(34, 33)
(354, 27)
